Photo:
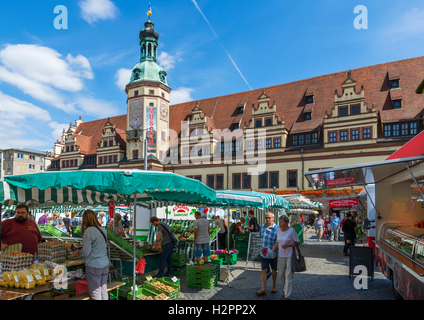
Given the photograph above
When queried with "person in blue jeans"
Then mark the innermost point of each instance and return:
(167, 246)
(201, 238)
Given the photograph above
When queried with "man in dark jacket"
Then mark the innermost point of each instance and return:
(349, 229)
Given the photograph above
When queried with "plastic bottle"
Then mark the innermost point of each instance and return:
(35, 257)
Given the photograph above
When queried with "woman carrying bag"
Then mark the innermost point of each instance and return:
(287, 239)
(94, 255)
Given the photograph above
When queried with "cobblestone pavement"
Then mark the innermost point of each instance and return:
(326, 278)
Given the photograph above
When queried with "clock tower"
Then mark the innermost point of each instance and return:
(148, 101)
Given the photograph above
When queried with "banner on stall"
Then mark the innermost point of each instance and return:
(343, 203)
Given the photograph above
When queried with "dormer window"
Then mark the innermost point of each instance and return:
(240, 110)
(394, 84)
(236, 126)
(397, 104)
(268, 122)
(308, 116)
(310, 99)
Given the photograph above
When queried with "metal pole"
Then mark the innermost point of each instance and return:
(134, 245)
(415, 180)
(145, 154)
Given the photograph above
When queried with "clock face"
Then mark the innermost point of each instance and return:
(164, 111)
(136, 113)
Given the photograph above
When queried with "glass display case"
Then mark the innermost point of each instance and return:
(408, 240)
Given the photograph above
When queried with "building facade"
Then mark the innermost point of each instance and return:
(23, 161)
(262, 139)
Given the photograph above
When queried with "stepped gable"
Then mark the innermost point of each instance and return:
(89, 134)
(290, 98)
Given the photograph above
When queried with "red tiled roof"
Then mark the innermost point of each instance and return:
(290, 98)
(89, 134)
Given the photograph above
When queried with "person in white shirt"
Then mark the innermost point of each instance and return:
(286, 241)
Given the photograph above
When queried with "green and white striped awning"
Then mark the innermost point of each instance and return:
(99, 187)
(259, 200)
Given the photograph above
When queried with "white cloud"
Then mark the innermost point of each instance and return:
(15, 119)
(44, 65)
(39, 71)
(94, 10)
(57, 129)
(180, 95)
(97, 108)
(167, 61)
(123, 77)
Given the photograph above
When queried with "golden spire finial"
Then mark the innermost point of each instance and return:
(149, 13)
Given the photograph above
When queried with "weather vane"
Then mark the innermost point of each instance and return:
(149, 13)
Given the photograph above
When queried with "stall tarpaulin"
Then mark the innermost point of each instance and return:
(343, 203)
(123, 186)
(340, 182)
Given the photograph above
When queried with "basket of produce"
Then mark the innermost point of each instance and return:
(159, 286)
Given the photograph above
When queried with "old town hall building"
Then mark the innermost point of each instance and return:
(344, 118)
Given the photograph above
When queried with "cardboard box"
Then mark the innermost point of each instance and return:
(51, 295)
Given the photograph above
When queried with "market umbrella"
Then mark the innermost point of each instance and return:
(119, 186)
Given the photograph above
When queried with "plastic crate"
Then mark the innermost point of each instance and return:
(232, 258)
(202, 269)
(49, 230)
(172, 295)
(179, 271)
(196, 283)
(178, 260)
(114, 237)
(241, 237)
(219, 261)
(141, 293)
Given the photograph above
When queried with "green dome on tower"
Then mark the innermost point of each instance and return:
(148, 69)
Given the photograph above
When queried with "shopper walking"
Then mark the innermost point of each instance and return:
(335, 227)
(201, 238)
(319, 225)
(222, 232)
(268, 234)
(94, 255)
(287, 239)
(58, 222)
(167, 246)
(253, 222)
(349, 229)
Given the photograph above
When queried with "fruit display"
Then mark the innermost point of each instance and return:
(161, 296)
(148, 298)
(162, 286)
(176, 227)
(213, 231)
(187, 235)
(15, 261)
(54, 251)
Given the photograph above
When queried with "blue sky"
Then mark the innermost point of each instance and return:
(50, 77)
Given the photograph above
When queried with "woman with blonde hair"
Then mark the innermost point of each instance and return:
(94, 255)
(102, 219)
(58, 222)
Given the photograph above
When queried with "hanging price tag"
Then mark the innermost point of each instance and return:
(175, 279)
(136, 288)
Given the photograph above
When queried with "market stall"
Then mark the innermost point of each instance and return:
(395, 194)
(98, 187)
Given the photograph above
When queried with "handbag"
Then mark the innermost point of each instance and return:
(174, 239)
(298, 263)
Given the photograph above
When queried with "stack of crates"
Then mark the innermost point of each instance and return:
(203, 275)
(241, 242)
(178, 264)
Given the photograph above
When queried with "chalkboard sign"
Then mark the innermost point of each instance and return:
(255, 244)
(361, 256)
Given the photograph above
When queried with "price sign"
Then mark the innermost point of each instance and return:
(175, 279)
(149, 278)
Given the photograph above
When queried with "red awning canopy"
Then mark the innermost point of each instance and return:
(413, 148)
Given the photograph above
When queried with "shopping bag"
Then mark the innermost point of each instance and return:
(267, 253)
(141, 264)
(298, 261)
